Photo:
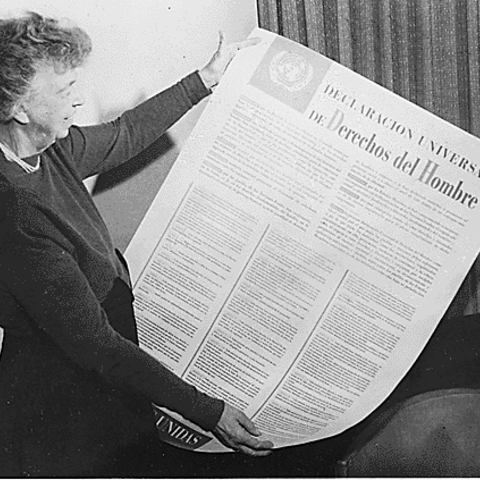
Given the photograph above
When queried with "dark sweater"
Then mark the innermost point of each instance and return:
(58, 267)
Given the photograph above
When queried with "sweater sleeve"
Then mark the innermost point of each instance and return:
(40, 271)
(98, 148)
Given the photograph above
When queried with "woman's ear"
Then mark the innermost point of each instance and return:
(20, 114)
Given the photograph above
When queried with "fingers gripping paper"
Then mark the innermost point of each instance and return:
(305, 245)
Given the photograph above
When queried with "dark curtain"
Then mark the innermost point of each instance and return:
(427, 51)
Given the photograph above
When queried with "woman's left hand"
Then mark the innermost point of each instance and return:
(236, 431)
(213, 71)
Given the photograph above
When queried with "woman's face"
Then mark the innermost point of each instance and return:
(51, 105)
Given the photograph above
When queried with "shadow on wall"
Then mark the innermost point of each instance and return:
(122, 173)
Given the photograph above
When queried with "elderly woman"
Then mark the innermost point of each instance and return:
(75, 388)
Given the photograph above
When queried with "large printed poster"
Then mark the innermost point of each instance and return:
(305, 245)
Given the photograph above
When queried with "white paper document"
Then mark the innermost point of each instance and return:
(304, 247)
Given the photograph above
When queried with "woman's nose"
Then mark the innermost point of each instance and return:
(79, 98)
(79, 101)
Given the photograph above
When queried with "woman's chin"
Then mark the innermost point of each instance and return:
(62, 133)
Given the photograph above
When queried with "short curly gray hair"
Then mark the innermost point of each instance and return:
(28, 42)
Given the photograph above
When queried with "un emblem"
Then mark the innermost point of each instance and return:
(291, 71)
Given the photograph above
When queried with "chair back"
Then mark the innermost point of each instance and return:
(432, 434)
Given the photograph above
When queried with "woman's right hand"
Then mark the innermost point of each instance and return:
(236, 431)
